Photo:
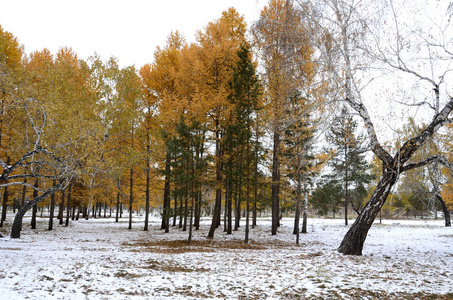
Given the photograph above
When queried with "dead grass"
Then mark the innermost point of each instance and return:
(169, 266)
(182, 246)
(11, 248)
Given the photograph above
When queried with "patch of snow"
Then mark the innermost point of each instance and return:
(101, 259)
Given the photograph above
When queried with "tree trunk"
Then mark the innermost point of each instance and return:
(346, 196)
(117, 206)
(68, 206)
(175, 213)
(225, 210)
(5, 191)
(198, 209)
(229, 208)
(17, 223)
(145, 228)
(218, 195)
(354, 239)
(24, 193)
(4, 206)
(237, 206)
(200, 152)
(180, 211)
(297, 218)
(304, 216)
(61, 208)
(247, 183)
(276, 184)
(35, 207)
(52, 209)
(444, 209)
(186, 212)
(131, 197)
(192, 204)
(167, 187)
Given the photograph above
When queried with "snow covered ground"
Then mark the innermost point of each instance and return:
(100, 259)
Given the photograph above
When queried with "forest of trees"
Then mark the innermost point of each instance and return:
(273, 116)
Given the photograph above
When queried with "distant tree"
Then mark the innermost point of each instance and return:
(298, 152)
(349, 167)
(327, 197)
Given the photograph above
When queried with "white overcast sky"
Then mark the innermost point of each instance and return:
(129, 30)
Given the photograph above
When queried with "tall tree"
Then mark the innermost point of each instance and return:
(300, 161)
(246, 90)
(353, 45)
(349, 166)
(215, 57)
(284, 49)
(162, 97)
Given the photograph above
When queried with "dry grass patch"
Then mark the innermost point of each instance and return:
(182, 246)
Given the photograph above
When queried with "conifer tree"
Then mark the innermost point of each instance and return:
(349, 167)
(298, 151)
(285, 51)
(246, 91)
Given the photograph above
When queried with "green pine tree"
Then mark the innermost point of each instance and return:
(349, 166)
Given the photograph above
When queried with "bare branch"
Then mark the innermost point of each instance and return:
(21, 184)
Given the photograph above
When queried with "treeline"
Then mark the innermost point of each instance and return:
(198, 130)
(188, 133)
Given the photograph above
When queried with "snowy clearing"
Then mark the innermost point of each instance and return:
(100, 259)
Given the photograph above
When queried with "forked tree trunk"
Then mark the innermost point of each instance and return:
(17, 223)
(354, 239)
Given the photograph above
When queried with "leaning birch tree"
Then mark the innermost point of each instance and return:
(363, 35)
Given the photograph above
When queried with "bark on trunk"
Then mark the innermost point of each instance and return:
(61, 208)
(247, 182)
(167, 187)
(186, 212)
(52, 209)
(17, 223)
(117, 206)
(192, 204)
(35, 207)
(4, 206)
(198, 209)
(218, 196)
(275, 184)
(145, 228)
(304, 216)
(444, 209)
(68, 206)
(346, 196)
(175, 213)
(229, 204)
(131, 197)
(354, 239)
